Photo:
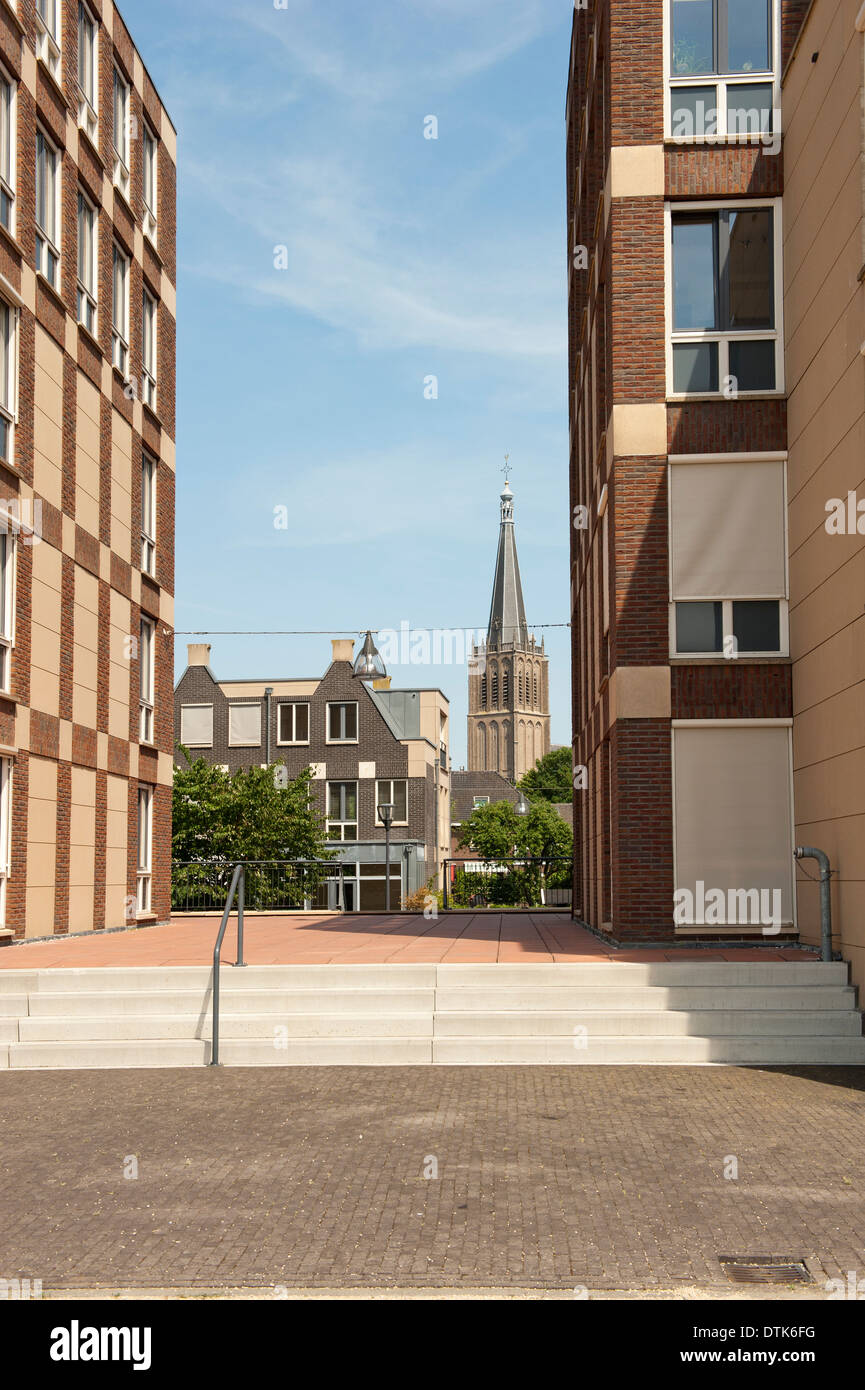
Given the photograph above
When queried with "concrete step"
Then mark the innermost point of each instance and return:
(125, 980)
(8, 1030)
(269, 1028)
(237, 1052)
(12, 1005)
(648, 1051)
(650, 1023)
(635, 997)
(278, 1002)
(578, 974)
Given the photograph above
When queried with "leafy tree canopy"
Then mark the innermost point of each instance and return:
(245, 816)
(496, 832)
(551, 777)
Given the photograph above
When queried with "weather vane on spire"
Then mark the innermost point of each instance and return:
(507, 468)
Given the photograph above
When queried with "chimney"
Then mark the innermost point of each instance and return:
(343, 649)
(382, 684)
(198, 653)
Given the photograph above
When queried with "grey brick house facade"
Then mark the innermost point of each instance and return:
(354, 737)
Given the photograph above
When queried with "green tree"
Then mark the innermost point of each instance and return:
(541, 843)
(219, 819)
(551, 777)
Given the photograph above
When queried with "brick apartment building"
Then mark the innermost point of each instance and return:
(365, 744)
(824, 316)
(87, 395)
(509, 675)
(680, 588)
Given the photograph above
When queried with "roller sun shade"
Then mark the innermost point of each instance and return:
(727, 530)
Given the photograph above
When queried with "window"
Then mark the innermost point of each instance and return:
(48, 17)
(47, 219)
(244, 726)
(120, 311)
(150, 165)
(733, 42)
(293, 725)
(342, 723)
(725, 301)
(495, 688)
(397, 794)
(148, 349)
(342, 810)
(145, 849)
(196, 726)
(506, 686)
(5, 830)
(7, 150)
(8, 377)
(87, 244)
(733, 820)
(7, 602)
(148, 514)
(121, 134)
(728, 559)
(146, 679)
(480, 801)
(87, 69)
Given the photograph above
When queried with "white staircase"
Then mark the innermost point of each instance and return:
(783, 1013)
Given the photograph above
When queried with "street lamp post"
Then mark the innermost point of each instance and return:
(385, 815)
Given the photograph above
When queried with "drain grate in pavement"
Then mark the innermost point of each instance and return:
(763, 1269)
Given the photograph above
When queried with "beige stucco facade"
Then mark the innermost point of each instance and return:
(824, 308)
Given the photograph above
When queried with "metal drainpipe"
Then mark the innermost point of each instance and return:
(268, 695)
(805, 852)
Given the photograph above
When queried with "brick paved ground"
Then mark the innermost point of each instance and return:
(278, 939)
(607, 1177)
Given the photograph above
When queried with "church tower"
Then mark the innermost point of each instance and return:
(509, 688)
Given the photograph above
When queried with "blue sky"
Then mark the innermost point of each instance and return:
(303, 387)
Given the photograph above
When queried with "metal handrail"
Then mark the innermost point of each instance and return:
(238, 886)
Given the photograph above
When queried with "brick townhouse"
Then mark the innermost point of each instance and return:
(87, 398)
(366, 743)
(680, 586)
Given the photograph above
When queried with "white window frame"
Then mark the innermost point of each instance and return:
(48, 28)
(47, 248)
(150, 173)
(6, 775)
(478, 801)
(333, 824)
(149, 468)
(390, 783)
(88, 107)
(87, 294)
(721, 81)
(149, 333)
(146, 678)
(120, 331)
(725, 336)
(9, 101)
(8, 589)
(9, 387)
(185, 741)
(727, 629)
(121, 129)
(144, 879)
(335, 704)
(292, 705)
(234, 742)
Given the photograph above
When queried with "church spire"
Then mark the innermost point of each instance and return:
(507, 625)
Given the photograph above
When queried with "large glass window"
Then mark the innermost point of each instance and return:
(87, 70)
(7, 149)
(395, 793)
(7, 603)
(146, 679)
(120, 311)
(721, 36)
(148, 349)
(293, 726)
(342, 723)
(725, 293)
(145, 849)
(47, 181)
(48, 18)
(87, 245)
(342, 810)
(150, 166)
(148, 514)
(8, 365)
(121, 133)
